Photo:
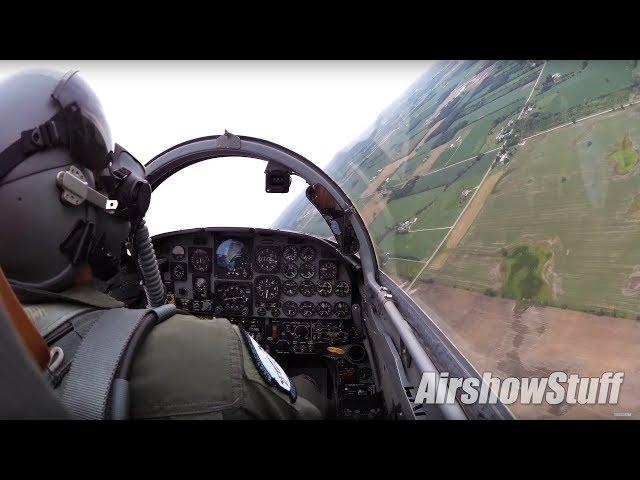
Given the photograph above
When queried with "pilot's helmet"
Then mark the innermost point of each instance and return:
(55, 144)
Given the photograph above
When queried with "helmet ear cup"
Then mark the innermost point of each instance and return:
(49, 240)
(35, 223)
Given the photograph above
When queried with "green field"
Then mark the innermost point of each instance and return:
(626, 156)
(523, 274)
(414, 246)
(562, 191)
(401, 268)
(583, 88)
(600, 77)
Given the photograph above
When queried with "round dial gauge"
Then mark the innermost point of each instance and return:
(307, 270)
(289, 288)
(341, 309)
(324, 289)
(268, 288)
(235, 298)
(201, 285)
(178, 253)
(307, 288)
(289, 270)
(179, 271)
(290, 308)
(323, 309)
(342, 289)
(268, 260)
(290, 253)
(308, 253)
(307, 309)
(200, 260)
(328, 270)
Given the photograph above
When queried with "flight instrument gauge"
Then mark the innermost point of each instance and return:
(235, 299)
(307, 270)
(307, 288)
(342, 289)
(308, 253)
(201, 286)
(290, 308)
(178, 253)
(323, 309)
(268, 288)
(179, 272)
(324, 289)
(328, 270)
(341, 309)
(307, 308)
(290, 253)
(289, 270)
(200, 259)
(289, 288)
(268, 260)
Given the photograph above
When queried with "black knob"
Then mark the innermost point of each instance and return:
(283, 345)
(302, 331)
(356, 353)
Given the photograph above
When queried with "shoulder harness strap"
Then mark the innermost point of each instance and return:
(49, 317)
(97, 384)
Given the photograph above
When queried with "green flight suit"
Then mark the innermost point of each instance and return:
(192, 368)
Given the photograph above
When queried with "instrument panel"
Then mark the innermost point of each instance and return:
(251, 273)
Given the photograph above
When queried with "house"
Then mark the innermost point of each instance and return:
(405, 225)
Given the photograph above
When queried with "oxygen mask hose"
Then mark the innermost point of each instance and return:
(148, 263)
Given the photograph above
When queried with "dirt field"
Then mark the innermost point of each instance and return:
(372, 208)
(466, 220)
(383, 175)
(539, 341)
(425, 167)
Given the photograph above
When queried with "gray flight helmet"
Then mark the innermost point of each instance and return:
(47, 174)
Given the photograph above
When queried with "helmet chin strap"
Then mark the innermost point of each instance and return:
(76, 190)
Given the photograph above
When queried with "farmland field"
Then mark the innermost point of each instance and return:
(563, 190)
(506, 195)
(414, 246)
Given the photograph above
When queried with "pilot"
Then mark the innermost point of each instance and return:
(57, 177)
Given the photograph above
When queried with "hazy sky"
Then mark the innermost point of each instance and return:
(313, 108)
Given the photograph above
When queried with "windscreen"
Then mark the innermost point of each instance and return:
(504, 198)
(227, 192)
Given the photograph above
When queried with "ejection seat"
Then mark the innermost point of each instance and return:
(24, 355)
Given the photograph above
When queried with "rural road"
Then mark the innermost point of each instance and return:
(470, 201)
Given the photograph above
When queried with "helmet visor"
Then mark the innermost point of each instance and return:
(89, 134)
